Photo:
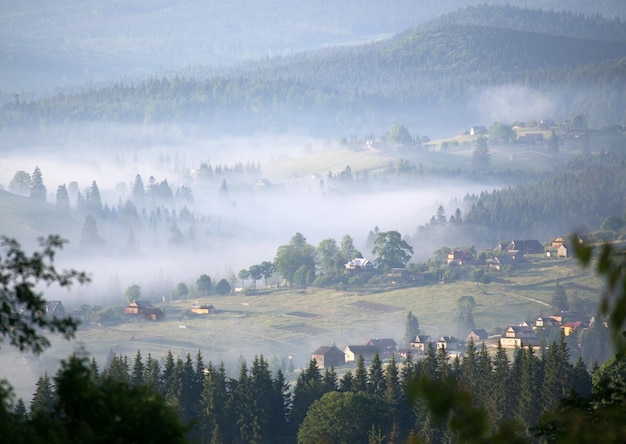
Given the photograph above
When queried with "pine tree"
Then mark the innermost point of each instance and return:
(37, 188)
(279, 407)
(346, 382)
(138, 370)
(118, 369)
(559, 299)
(44, 396)
(376, 377)
(89, 235)
(528, 409)
(359, 382)
(308, 388)
(138, 192)
(330, 380)
(62, 200)
(152, 374)
(95, 201)
(412, 329)
(481, 158)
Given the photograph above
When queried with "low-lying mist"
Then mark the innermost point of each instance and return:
(237, 218)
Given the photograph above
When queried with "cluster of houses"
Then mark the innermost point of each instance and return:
(149, 312)
(331, 356)
(525, 334)
(511, 253)
(144, 309)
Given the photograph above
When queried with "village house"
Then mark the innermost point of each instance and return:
(385, 346)
(328, 356)
(477, 335)
(511, 257)
(460, 257)
(572, 328)
(352, 352)
(359, 263)
(557, 242)
(448, 342)
(478, 130)
(546, 322)
(145, 309)
(518, 335)
(527, 246)
(55, 308)
(202, 309)
(563, 251)
(420, 343)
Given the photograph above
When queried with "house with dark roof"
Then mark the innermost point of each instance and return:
(359, 263)
(145, 309)
(385, 346)
(202, 309)
(352, 352)
(420, 343)
(460, 257)
(55, 308)
(518, 335)
(328, 356)
(478, 130)
(477, 335)
(527, 246)
(448, 342)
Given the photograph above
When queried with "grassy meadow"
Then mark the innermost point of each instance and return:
(280, 323)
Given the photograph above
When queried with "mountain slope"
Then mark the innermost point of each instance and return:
(71, 41)
(422, 74)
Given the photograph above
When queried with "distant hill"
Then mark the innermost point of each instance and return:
(73, 42)
(25, 219)
(420, 76)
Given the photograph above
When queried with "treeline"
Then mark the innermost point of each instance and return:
(563, 23)
(429, 66)
(584, 195)
(550, 207)
(259, 405)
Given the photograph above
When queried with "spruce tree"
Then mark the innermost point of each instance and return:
(138, 370)
(37, 188)
(359, 382)
(62, 200)
(411, 330)
(44, 396)
(376, 377)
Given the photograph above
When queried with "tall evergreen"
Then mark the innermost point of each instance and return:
(359, 382)
(94, 200)
(262, 396)
(307, 389)
(152, 374)
(527, 410)
(279, 408)
(62, 200)
(37, 188)
(213, 420)
(138, 370)
(330, 380)
(43, 398)
(412, 329)
(376, 377)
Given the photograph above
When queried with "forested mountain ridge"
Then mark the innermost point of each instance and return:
(564, 23)
(423, 73)
(72, 42)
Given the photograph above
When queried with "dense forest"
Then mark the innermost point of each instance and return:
(74, 43)
(377, 400)
(425, 71)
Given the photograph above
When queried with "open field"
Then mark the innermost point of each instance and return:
(287, 322)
